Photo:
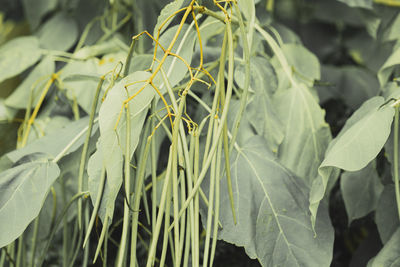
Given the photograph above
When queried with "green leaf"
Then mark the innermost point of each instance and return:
(35, 10)
(167, 11)
(362, 137)
(358, 3)
(17, 55)
(305, 64)
(81, 90)
(69, 138)
(386, 70)
(112, 142)
(271, 204)
(359, 142)
(58, 33)
(23, 191)
(386, 215)
(389, 256)
(33, 83)
(261, 114)
(361, 191)
(307, 134)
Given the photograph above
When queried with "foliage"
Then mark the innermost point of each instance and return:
(140, 133)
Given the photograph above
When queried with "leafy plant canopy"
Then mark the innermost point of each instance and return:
(199, 133)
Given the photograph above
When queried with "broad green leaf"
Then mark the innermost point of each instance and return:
(358, 3)
(388, 67)
(81, 78)
(34, 83)
(305, 64)
(361, 191)
(386, 215)
(271, 203)
(58, 33)
(167, 11)
(307, 134)
(175, 68)
(82, 90)
(17, 55)
(389, 256)
(261, 114)
(67, 139)
(359, 142)
(112, 141)
(362, 137)
(35, 10)
(247, 7)
(23, 191)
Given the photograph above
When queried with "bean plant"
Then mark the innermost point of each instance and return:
(153, 133)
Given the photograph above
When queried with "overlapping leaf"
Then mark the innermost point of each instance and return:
(58, 33)
(113, 140)
(361, 191)
(307, 134)
(32, 84)
(271, 206)
(261, 114)
(17, 55)
(359, 142)
(22, 192)
(66, 140)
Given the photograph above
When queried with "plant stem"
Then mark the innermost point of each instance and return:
(127, 178)
(82, 164)
(396, 158)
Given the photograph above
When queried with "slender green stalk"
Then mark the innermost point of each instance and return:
(19, 251)
(34, 240)
(127, 179)
(213, 175)
(161, 209)
(153, 171)
(104, 232)
(136, 202)
(129, 57)
(77, 247)
(87, 248)
(187, 243)
(166, 225)
(217, 201)
(84, 155)
(396, 158)
(220, 127)
(105, 250)
(96, 205)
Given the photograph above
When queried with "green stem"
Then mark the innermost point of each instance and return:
(82, 164)
(96, 205)
(127, 179)
(220, 127)
(129, 57)
(34, 240)
(136, 202)
(396, 158)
